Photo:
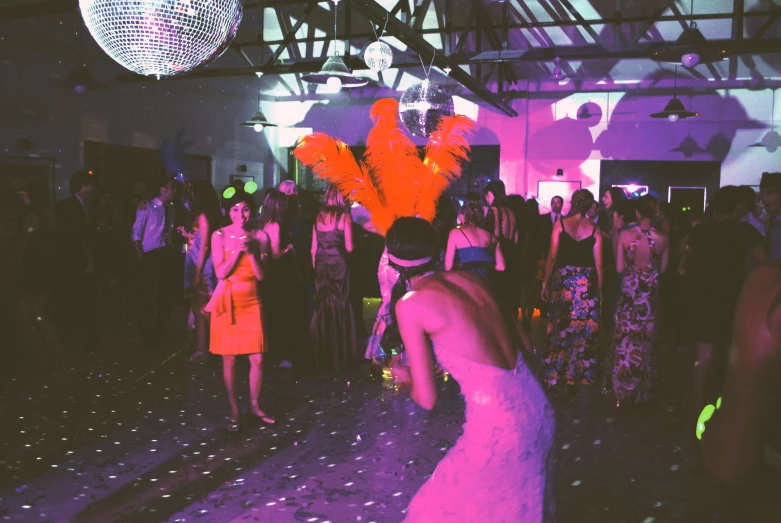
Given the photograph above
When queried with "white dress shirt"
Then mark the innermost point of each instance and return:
(149, 227)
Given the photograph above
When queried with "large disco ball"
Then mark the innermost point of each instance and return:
(162, 37)
(378, 56)
(423, 105)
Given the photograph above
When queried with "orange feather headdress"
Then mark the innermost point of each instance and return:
(391, 181)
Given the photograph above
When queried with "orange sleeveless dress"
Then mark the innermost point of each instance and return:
(236, 313)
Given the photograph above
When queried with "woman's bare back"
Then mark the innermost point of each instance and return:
(460, 315)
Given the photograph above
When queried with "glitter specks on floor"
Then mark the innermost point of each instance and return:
(111, 440)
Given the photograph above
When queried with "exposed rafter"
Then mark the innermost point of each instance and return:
(580, 53)
(377, 15)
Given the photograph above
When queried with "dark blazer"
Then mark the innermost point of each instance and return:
(76, 235)
(546, 229)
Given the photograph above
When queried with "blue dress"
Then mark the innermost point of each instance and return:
(208, 277)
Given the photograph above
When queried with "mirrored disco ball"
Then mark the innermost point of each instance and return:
(162, 37)
(422, 105)
(378, 56)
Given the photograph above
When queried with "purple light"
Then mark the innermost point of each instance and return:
(80, 89)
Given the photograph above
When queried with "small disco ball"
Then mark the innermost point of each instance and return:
(423, 105)
(378, 56)
(162, 37)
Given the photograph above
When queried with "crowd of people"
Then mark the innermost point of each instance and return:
(615, 283)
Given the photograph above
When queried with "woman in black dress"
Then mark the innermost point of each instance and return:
(500, 220)
(333, 330)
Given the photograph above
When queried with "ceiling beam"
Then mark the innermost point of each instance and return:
(401, 61)
(771, 19)
(587, 26)
(290, 37)
(377, 14)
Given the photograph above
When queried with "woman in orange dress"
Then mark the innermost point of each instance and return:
(238, 253)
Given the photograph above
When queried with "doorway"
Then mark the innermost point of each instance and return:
(659, 176)
(688, 199)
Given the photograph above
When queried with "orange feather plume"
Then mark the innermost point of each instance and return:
(445, 151)
(393, 182)
(392, 158)
(333, 161)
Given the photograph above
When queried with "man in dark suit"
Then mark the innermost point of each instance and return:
(76, 246)
(548, 220)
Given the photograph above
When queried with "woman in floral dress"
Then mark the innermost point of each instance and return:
(574, 273)
(641, 257)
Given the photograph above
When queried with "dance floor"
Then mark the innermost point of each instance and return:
(139, 435)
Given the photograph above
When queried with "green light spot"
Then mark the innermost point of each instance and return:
(229, 192)
(705, 415)
(250, 187)
(718, 404)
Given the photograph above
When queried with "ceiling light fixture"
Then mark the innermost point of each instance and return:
(690, 49)
(674, 110)
(335, 73)
(258, 121)
(80, 79)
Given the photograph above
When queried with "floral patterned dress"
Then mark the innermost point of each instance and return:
(573, 320)
(634, 332)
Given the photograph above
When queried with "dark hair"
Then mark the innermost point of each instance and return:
(726, 200)
(408, 239)
(582, 200)
(645, 206)
(471, 195)
(37, 192)
(748, 197)
(557, 197)
(626, 209)
(496, 187)
(771, 182)
(240, 197)
(473, 214)
(205, 201)
(80, 179)
(161, 183)
(617, 194)
(274, 209)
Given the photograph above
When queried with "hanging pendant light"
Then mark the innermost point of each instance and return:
(772, 140)
(258, 121)
(335, 73)
(79, 78)
(690, 49)
(674, 110)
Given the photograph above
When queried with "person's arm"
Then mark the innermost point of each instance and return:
(598, 259)
(552, 254)
(313, 249)
(733, 441)
(203, 230)
(759, 255)
(500, 265)
(450, 251)
(368, 226)
(255, 253)
(272, 230)
(665, 253)
(619, 246)
(348, 233)
(137, 234)
(224, 267)
(420, 373)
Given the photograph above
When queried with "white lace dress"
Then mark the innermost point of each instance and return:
(500, 470)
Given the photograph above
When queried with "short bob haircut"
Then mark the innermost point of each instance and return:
(411, 239)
